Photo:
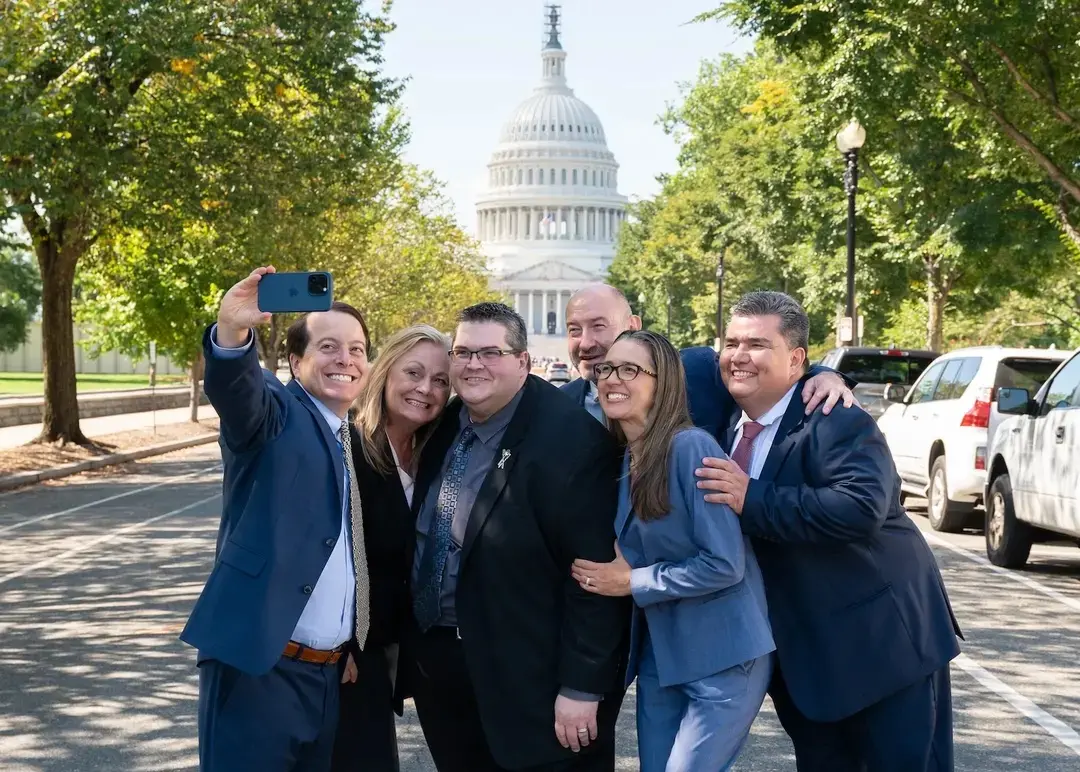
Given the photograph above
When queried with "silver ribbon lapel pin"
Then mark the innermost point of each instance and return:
(502, 462)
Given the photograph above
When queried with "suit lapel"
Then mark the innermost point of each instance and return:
(784, 441)
(725, 435)
(498, 476)
(329, 439)
(434, 453)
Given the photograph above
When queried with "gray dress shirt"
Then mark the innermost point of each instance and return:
(485, 445)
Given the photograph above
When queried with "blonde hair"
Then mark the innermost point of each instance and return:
(371, 406)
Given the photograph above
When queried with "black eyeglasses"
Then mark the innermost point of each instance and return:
(627, 372)
(487, 356)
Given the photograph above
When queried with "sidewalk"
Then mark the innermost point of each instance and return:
(14, 436)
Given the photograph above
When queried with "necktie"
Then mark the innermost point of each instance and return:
(356, 517)
(745, 450)
(426, 605)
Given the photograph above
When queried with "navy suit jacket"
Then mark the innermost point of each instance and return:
(857, 604)
(281, 514)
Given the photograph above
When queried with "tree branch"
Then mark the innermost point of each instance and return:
(1063, 217)
(1028, 86)
(1055, 172)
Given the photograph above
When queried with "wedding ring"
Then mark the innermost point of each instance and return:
(583, 731)
(588, 581)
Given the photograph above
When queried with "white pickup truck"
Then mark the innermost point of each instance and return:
(1033, 478)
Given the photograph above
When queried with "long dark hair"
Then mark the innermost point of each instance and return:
(668, 415)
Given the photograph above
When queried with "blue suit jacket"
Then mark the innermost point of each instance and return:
(695, 579)
(857, 604)
(280, 518)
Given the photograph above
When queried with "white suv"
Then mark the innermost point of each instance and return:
(940, 433)
(1034, 477)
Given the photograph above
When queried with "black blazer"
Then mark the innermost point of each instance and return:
(389, 538)
(526, 626)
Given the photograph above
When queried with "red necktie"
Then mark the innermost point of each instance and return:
(745, 450)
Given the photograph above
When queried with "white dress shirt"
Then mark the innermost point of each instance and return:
(407, 481)
(763, 442)
(328, 617)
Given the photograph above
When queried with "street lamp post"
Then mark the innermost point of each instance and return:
(848, 142)
(720, 298)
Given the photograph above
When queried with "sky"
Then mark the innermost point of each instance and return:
(468, 63)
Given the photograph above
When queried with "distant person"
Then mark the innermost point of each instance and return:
(701, 646)
(516, 667)
(599, 313)
(290, 586)
(863, 626)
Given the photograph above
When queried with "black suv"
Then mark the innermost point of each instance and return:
(884, 375)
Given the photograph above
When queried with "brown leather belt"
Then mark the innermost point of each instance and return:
(299, 651)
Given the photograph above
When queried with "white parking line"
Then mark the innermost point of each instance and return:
(101, 540)
(1057, 728)
(1027, 581)
(50, 516)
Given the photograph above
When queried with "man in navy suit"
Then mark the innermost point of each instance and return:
(599, 313)
(289, 586)
(863, 626)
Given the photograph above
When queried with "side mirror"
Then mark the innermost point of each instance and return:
(1014, 401)
(894, 392)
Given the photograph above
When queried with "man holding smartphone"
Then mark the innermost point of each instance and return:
(289, 587)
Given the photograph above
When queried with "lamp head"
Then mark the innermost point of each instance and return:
(851, 137)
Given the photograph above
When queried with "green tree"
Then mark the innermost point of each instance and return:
(164, 114)
(1009, 70)
(20, 296)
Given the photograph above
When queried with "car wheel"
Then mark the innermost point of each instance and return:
(1008, 540)
(944, 515)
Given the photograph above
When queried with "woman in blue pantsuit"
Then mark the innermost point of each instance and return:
(701, 647)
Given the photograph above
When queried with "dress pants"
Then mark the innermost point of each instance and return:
(700, 726)
(909, 731)
(282, 721)
(366, 739)
(449, 716)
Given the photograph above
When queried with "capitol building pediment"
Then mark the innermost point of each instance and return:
(550, 216)
(551, 270)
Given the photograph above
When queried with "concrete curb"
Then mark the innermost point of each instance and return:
(20, 479)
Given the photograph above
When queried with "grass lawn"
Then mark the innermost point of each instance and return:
(31, 383)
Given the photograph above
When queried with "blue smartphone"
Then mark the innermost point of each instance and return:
(283, 293)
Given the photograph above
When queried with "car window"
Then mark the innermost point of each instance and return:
(956, 378)
(924, 389)
(948, 380)
(883, 368)
(1018, 373)
(1065, 388)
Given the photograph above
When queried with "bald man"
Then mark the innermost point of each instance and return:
(599, 313)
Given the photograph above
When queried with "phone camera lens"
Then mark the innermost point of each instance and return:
(317, 284)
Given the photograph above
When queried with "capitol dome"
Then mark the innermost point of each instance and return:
(552, 211)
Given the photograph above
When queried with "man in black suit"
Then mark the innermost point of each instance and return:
(863, 628)
(515, 667)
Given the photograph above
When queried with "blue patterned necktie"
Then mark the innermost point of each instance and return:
(426, 603)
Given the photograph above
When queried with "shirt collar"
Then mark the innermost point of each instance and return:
(774, 414)
(591, 392)
(497, 423)
(331, 417)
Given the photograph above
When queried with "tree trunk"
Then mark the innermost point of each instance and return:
(196, 370)
(937, 294)
(60, 419)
